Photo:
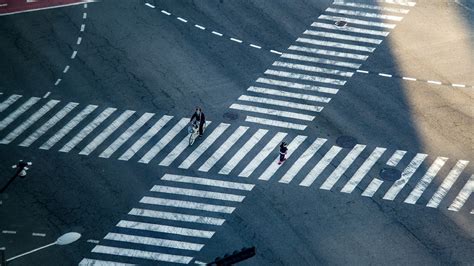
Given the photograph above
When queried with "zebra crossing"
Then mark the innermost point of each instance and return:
(319, 63)
(171, 223)
(233, 150)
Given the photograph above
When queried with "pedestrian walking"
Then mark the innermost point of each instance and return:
(283, 150)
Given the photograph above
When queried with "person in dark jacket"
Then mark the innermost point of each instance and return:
(200, 118)
(283, 150)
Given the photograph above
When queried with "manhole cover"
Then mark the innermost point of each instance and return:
(390, 174)
(347, 142)
(230, 116)
(341, 23)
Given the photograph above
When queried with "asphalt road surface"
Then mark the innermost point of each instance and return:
(375, 99)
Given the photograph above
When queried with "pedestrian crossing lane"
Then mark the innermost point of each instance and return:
(19, 111)
(320, 166)
(9, 101)
(447, 183)
(375, 184)
(463, 195)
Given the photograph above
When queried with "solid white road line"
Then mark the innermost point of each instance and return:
(9, 101)
(364, 14)
(287, 104)
(152, 241)
(318, 60)
(302, 160)
(275, 123)
(448, 182)
(304, 77)
(281, 93)
(172, 216)
(358, 21)
(215, 134)
(243, 151)
(463, 195)
(295, 85)
(363, 170)
(29, 122)
(164, 141)
(126, 135)
(87, 129)
(372, 187)
(398, 185)
(425, 181)
(337, 45)
(350, 29)
(187, 205)
(263, 154)
(273, 167)
(145, 138)
(342, 167)
(327, 52)
(313, 69)
(19, 111)
(135, 253)
(320, 166)
(225, 147)
(106, 133)
(68, 127)
(374, 7)
(165, 229)
(269, 111)
(208, 182)
(197, 193)
(94, 262)
(342, 36)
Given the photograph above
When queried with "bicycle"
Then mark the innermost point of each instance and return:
(193, 130)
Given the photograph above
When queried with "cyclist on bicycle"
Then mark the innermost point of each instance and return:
(200, 118)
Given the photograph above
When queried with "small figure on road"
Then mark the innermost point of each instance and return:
(200, 118)
(283, 150)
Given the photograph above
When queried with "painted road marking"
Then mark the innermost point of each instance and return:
(318, 60)
(187, 205)
(463, 195)
(172, 216)
(294, 85)
(363, 170)
(320, 166)
(358, 21)
(275, 123)
(313, 69)
(19, 111)
(165, 229)
(363, 14)
(337, 45)
(350, 29)
(269, 111)
(151, 241)
(287, 104)
(342, 36)
(197, 193)
(328, 52)
(208, 182)
(448, 182)
(306, 97)
(9, 101)
(141, 254)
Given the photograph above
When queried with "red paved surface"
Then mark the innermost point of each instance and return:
(18, 6)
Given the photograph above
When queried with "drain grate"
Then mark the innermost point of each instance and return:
(341, 23)
(347, 142)
(390, 174)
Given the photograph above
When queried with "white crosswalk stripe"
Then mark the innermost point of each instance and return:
(320, 166)
(287, 104)
(275, 123)
(19, 111)
(269, 111)
(313, 69)
(318, 60)
(141, 254)
(165, 229)
(447, 183)
(176, 216)
(208, 182)
(293, 75)
(294, 85)
(327, 52)
(363, 170)
(295, 95)
(342, 36)
(363, 14)
(398, 2)
(358, 21)
(374, 7)
(9, 101)
(94, 262)
(197, 193)
(187, 205)
(340, 45)
(151, 241)
(349, 29)
(29, 122)
(463, 195)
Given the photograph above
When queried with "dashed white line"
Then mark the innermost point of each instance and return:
(275, 52)
(217, 33)
(165, 12)
(47, 94)
(79, 40)
(362, 71)
(408, 78)
(434, 82)
(85, 5)
(83, 27)
(149, 5)
(93, 241)
(182, 19)
(385, 75)
(74, 53)
(66, 69)
(255, 46)
(199, 27)
(458, 85)
(84, 15)
(8, 232)
(38, 234)
(236, 40)
(57, 82)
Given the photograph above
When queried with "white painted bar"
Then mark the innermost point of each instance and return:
(152, 241)
(243, 151)
(165, 229)
(269, 111)
(350, 29)
(87, 129)
(145, 138)
(106, 133)
(363, 170)
(320, 166)
(273, 167)
(165, 140)
(126, 135)
(406, 175)
(425, 181)
(342, 167)
(374, 7)
(9, 101)
(208, 182)
(448, 182)
(94, 262)
(187, 205)
(271, 145)
(364, 14)
(313, 69)
(218, 131)
(197, 193)
(225, 147)
(318, 60)
(294, 85)
(358, 21)
(396, 157)
(281, 93)
(337, 45)
(302, 160)
(327, 52)
(463, 195)
(342, 36)
(68, 127)
(172, 216)
(372, 187)
(275, 123)
(135, 253)
(287, 104)
(48, 125)
(19, 111)
(305, 77)
(398, 2)
(29, 122)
